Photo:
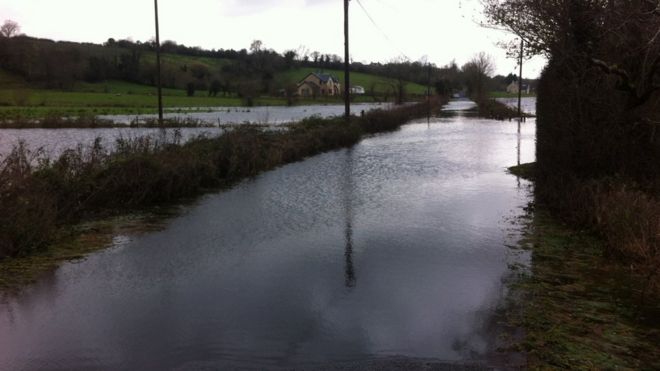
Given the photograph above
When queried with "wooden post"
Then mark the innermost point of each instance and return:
(520, 80)
(347, 79)
(158, 77)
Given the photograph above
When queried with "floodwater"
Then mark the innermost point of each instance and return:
(393, 249)
(528, 104)
(54, 141)
(255, 115)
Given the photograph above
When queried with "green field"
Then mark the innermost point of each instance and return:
(19, 99)
(113, 97)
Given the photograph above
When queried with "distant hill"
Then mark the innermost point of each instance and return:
(62, 65)
(40, 76)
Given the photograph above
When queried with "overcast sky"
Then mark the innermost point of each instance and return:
(443, 30)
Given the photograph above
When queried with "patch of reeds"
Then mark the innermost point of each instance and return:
(38, 194)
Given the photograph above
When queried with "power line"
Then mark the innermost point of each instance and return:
(371, 19)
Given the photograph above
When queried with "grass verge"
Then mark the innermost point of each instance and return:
(577, 311)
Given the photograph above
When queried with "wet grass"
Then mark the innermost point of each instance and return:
(577, 307)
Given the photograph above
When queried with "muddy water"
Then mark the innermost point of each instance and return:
(394, 248)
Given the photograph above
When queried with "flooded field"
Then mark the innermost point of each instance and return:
(55, 141)
(255, 115)
(393, 249)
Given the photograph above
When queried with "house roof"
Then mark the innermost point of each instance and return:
(323, 77)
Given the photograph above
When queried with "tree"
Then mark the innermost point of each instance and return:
(9, 29)
(256, 46)
(510, 78)
(199, 71)
(443, 87)
(315, 57)
(290, 58)
(477, 71)
(190, 89)
(619, 38)
(603, 77)
(215, 88)
(396, 71)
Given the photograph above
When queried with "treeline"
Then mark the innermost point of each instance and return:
(247, 72)
(598, 138)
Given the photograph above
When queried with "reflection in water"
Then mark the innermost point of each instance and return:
(348, 213)
(519, 141)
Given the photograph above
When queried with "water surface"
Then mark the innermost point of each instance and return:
(256, 115)
(54, 141)
(394, 248)
(528, 104)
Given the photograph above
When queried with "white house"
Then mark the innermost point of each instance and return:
(358, 90)
(513, 88)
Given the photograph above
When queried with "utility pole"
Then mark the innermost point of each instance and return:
(347, 78)
(520, 80)
(158, 78)
(428, 94)
(520, 85)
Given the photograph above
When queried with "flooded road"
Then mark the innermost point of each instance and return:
(393, 248)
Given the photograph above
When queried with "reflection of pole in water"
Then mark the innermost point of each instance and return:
(428, 96)
(519, 140)
(519, 145)
(349, 269)
(348, 254)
